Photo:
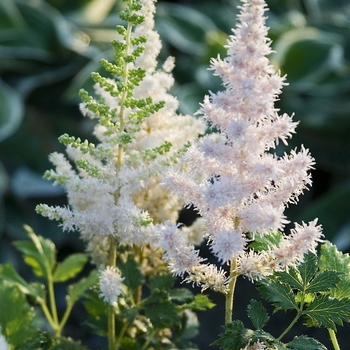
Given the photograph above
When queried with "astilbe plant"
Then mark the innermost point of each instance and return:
(125, 192)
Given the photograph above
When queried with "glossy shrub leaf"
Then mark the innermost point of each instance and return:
(70, 267)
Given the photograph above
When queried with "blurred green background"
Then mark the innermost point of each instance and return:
(49, 48)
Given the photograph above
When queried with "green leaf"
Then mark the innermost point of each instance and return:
(39, 254)
(70, 267)
(162, 282)
(181, 295)
(11, 110)
(323, 281)
(266, 241)
(292, 277)
(162, 314)
(78, 289)
(277, 293)
(257, 314)
(305, 343)
(325, 311)
(39, 340)
(201, 302)
(332, 259)
(131, 273)
(308, 268)
(16, 316)
(234, 337)
(160, 310)
(8, 273)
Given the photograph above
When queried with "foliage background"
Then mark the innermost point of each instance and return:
(49, 48)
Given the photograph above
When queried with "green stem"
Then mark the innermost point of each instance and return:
(230, 294)
(333, 339)
(121, 335)
(295, 319)
(149, 339)
(112, 257)
(48, 315)
(53, 307)
(66, 315)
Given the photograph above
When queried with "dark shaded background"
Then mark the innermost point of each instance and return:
(49, 48)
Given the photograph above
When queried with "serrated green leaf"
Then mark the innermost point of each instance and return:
(130, 344)
(63, 343)
(162, 314)
(332, 259)
(277, 293)
(70, 267)
(257, 314)
(37, 290)
(77, 290)
(327, 311)
(8, 273)
(39, 340)
(181, 295)
(308, 268)
(162, 282)
(131, 273)
(305, 343)
(202, 302)
(267, 338)
(342, 289)
(16, 316)
(39, 254)
(292, 277)
(234, 337)
(267, 241)
(323, 281)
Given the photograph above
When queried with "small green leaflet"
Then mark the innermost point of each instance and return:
(335, 261)
(78, 289)
(16, 316)
(234, 337)
(257, 314)
(327, 312)
(266, 241)
(39, 254)
(277, 293)
(70, 267)
(305, 343)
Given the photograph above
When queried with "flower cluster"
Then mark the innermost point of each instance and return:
(113, 187)
(234, 178)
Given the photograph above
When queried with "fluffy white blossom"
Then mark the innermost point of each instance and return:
(110, 284)
(117, 191)
(246, 186)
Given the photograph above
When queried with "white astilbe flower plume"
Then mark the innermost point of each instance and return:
(124, 200)
(110, 284)
(246, 187)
